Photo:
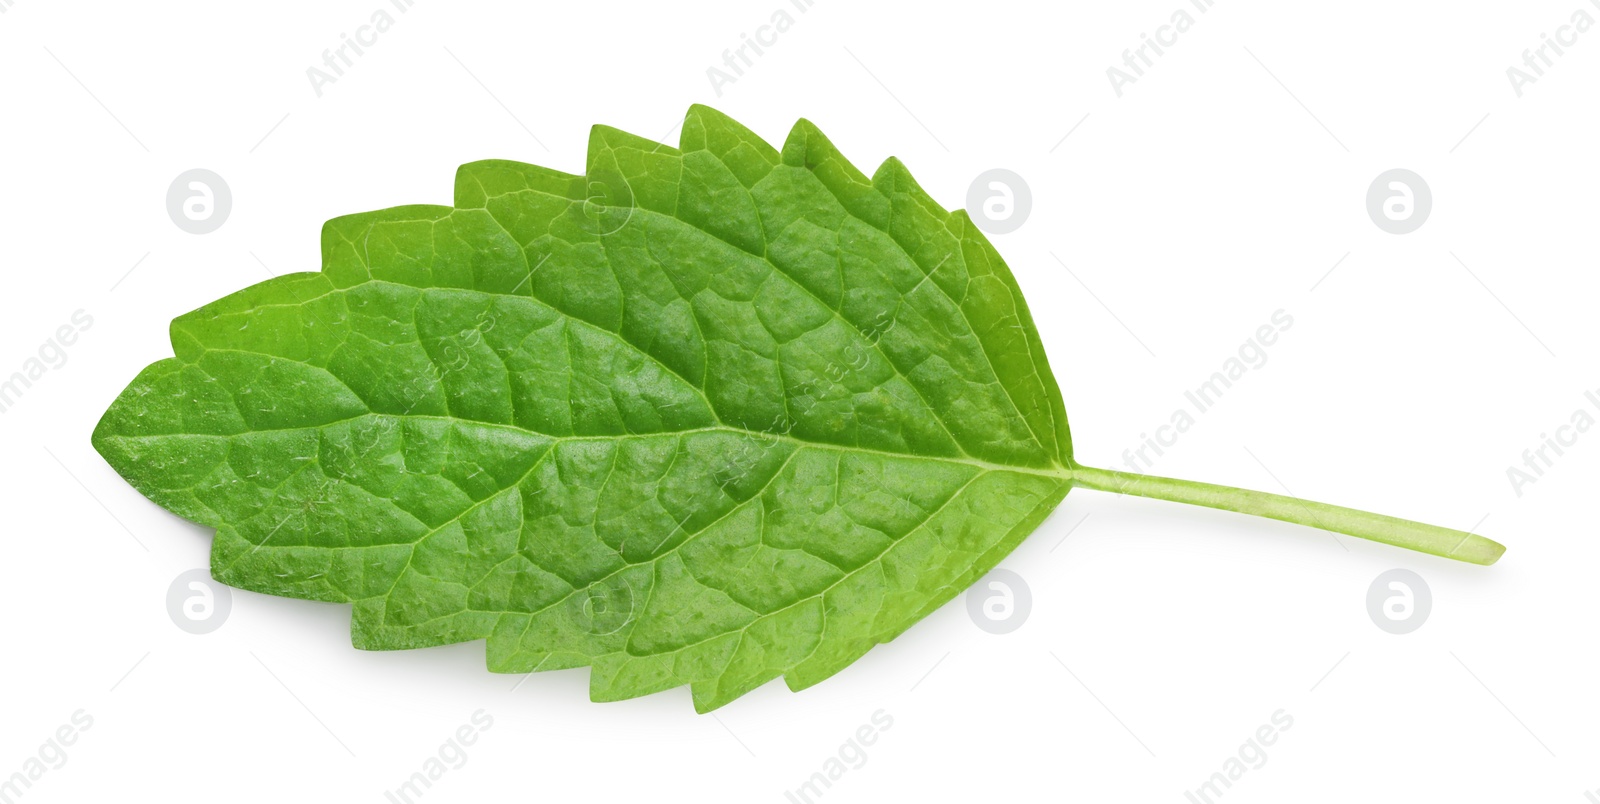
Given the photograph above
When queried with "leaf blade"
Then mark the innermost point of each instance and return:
(654, 419)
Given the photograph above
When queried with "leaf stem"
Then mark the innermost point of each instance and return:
(1459, 545)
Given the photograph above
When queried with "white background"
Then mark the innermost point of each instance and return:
(1188, 210)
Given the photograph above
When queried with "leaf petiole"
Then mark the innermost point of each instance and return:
(1445, 542)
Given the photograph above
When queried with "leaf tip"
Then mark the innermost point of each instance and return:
(806, 145)
(699, 112)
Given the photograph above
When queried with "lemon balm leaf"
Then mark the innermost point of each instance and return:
(704, 415)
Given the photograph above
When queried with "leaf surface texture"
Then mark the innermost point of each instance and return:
(705, 415)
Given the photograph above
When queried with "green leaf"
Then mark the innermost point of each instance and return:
(705, 415)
